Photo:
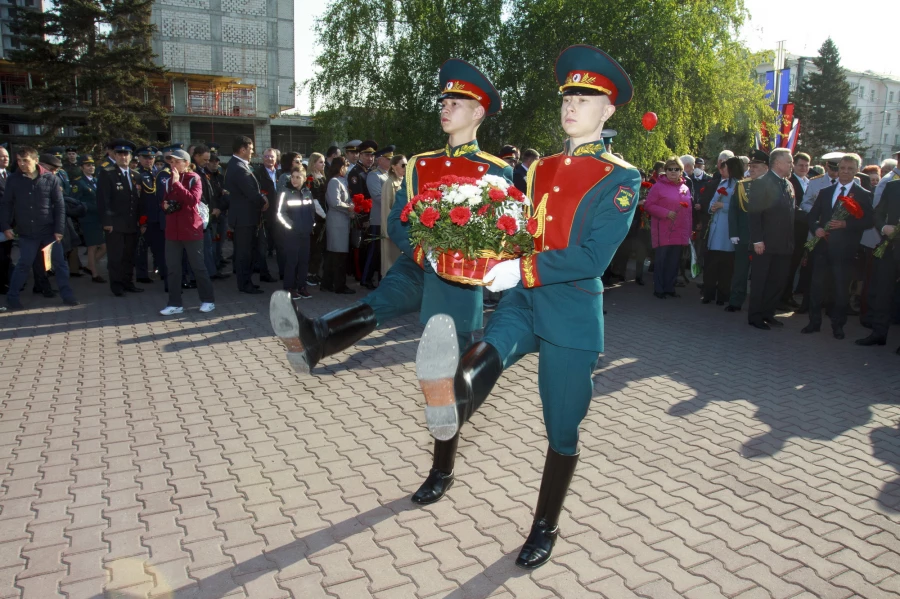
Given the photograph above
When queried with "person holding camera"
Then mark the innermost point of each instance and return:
(184, 233)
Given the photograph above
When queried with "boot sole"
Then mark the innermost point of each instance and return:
(287, 329)
(437, 359)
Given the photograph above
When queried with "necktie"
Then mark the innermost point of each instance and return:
(832, 181)
(127, 178)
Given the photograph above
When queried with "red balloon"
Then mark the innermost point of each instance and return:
(649, 120)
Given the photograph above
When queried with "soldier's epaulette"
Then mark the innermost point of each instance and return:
(492, 159)
(430, 154)
(78, 178)
(816, 177)
(747, 180)
(615, 160)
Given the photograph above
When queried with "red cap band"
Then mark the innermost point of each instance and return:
(471, 90)
(591, 81)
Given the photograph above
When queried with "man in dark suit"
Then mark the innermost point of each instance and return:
(267, 175)
(520, 173)
(119, 205)
(771, 217)
(799, 180)
(5, 244)
(887, 268)
(839, 241)
(246, 205)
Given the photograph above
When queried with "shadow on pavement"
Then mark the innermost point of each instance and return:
(886, 447)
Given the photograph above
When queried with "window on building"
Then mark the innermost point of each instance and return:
(861, 91)
(869, 119)
(890, 97)
(885, 139)
(887, 119)
(872, 95)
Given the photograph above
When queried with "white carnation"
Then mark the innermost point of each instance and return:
(494, 180)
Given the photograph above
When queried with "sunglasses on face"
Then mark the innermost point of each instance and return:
(673, 169)
(403, 165)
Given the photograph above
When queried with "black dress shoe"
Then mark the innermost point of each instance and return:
(760, 325)
(87, 270)
(672, 293)
(268, 279)
(369, 285)
(639, 281)
(872, 339)
(810, 328)
(838, 332)
(773, 322)
(219, 276)
(434, 487)
(118, 293)
(346, 291)
(133, 289)
(252, 291)
(48, 293)
(867, 325)
(71, 301)
(326, 288)
(660, 295)
(732, 308)
(145, 280)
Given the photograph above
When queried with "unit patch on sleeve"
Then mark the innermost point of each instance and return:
(624, 198)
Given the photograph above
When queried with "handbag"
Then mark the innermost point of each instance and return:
(695, 266)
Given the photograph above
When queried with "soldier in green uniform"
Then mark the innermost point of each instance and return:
(71, 163)
(411, 284)
(84, 189)
(153, 239)
(739, 232)
(584, 200)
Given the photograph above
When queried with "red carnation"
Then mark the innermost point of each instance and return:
(684, 204)
(142, 221)
(702, 189)
(358, 197)
(851, 206)
(531, 226)
(722, 191)
(483, 210)
(404, 214)
(218, 238)
(507, 224)
(497, 195)
(646, 184)
(429, 217)
(229, 235)
(460, 215)
(449, 180)
(515, 194)
(431, 186)
(264, 192)
(467, 180)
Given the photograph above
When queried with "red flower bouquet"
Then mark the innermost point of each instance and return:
(684, 204)
(722, 191)
(142, 221)
(845, 208)
(469, 225)
(646, 184)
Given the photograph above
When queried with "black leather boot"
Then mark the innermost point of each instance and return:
(309, 340)
(558, 471)
(441, 478)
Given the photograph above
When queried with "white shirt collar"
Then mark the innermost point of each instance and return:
(837, 190)
(241, 159)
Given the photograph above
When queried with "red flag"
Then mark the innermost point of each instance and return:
(787, 123)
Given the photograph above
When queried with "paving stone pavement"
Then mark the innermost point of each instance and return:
(143, 456)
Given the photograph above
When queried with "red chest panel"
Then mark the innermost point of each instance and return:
(429, 170)
(559, 186)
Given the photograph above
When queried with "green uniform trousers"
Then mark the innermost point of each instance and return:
(565, 375)
(739, 278)
(400, 292)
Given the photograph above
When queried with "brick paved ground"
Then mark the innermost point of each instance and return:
(181, 457)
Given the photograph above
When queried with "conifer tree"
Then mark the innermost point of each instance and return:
(91, 66)
(828, 122)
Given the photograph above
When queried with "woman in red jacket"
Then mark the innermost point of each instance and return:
(184, 233)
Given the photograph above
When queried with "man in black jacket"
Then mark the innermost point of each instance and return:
(887, 268)
(771, 217)
(5, 244)
(246, 205)
(119, 205)
(839, 241)
(269, 235)
(799, 180)
(33, 199)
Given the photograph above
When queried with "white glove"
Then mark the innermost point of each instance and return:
(431, 260)
(503, 276)
(735, 240)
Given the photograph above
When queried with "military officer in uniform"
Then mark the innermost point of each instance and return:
(351, 151)
(119, 205)
(356, 184)
(411, 284)
(584, 200)
(153, 240)
(510, 154)
(70, 163)
(84, 189)
(739, 232)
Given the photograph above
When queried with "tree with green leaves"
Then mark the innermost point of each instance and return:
(828, 122)
(684, 58)
(91, 66)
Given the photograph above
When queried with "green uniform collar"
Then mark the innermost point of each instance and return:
(463, 150)
(593, 148)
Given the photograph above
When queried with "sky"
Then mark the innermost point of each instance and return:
(864, 31)
(864, 39)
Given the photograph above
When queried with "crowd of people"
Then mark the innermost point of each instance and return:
(755, 222)
(168, 212)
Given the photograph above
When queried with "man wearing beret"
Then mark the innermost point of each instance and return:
(411, 285)
(119, 205)
(584, 200)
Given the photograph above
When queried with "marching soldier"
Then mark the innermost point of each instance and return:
(153, 239)
(411, 285)
(584, 202)
(119, 204)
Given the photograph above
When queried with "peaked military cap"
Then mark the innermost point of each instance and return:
(352, 145)
(368, 147)
(386, 152)
(214, 148)
(459, 79)
(758, 157)
(146, 151)
(71, 149)
(508, 152)
(121, 144)
(583, 69)
(85, 159)
(51, 159)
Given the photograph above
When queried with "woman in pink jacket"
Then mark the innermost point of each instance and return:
(184, 233)
(669, 205)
